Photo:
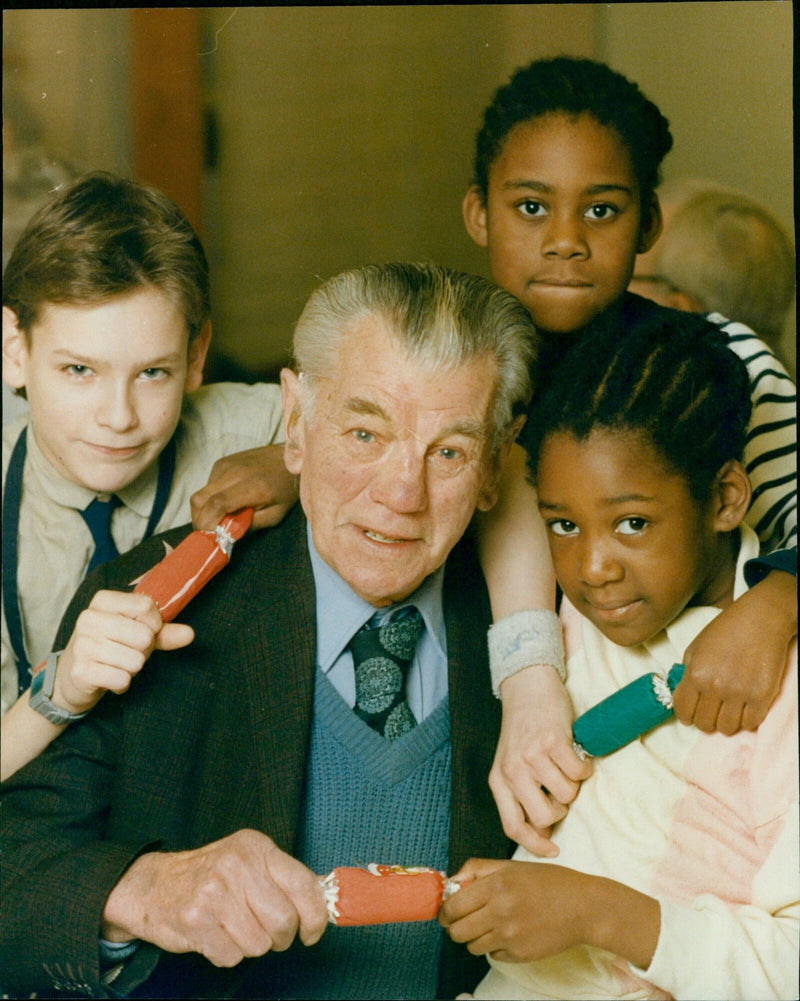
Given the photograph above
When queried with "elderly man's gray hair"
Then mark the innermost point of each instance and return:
(442, 319)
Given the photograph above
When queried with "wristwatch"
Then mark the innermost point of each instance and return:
(44, 679)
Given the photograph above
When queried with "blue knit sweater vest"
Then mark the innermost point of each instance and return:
(370, 800)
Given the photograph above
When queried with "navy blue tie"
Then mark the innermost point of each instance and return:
(98, 517)
(382, 655)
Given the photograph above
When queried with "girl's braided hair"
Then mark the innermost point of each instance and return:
(669, 375)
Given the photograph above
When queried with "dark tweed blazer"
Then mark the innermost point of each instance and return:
(209, 740)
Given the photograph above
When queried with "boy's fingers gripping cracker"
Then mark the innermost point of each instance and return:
(174, 581)
(383, 893)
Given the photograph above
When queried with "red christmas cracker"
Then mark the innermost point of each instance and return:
(174, 581)
(383, 893)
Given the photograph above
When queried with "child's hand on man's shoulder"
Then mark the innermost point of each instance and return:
(256, 478)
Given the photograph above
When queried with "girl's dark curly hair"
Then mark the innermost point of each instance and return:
(576, 87)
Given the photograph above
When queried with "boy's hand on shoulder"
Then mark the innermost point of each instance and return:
(256, 478)
(112, 639)
(734, 667)
(536, 772)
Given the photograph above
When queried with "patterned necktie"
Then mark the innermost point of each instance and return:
(98, 517)
(381, 656)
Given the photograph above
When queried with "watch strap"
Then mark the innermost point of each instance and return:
(42, 685)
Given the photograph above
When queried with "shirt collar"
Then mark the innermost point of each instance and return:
(138, 496)
(56, 487)
(341, 612)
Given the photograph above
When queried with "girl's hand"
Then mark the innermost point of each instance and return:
(536, 773)
(111, 641)
(254, 478)
(524, 911)
(517, 911)
(735, 665)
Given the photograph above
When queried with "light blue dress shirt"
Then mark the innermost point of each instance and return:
(341, 613)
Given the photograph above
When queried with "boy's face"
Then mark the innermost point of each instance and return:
(562, 220)
(631, 546)
(104, 382)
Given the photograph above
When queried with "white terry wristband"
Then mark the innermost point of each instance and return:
(529, 637)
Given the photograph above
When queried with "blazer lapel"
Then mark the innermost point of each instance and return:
(474, 713)
(475, 828)
(279, 655)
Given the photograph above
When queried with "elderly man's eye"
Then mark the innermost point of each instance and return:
(363, 436)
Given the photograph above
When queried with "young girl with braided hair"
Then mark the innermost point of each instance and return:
(677, 872)
(563, 199)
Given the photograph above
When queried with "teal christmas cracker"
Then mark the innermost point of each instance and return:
(627, 714)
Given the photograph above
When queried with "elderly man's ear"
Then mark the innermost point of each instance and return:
(487, 498)
(294, 425)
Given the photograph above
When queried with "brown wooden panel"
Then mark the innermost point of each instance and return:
(167, 104)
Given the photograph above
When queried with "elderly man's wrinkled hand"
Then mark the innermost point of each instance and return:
(238, 897)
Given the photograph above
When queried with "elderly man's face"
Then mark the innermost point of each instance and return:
(393, 462)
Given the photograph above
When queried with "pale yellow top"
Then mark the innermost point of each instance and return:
(55, 544)
(704, 823)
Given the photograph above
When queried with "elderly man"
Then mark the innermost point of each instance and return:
(170, 844)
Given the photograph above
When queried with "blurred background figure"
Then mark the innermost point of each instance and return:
(30, 175)
(722, 251)
(30, 178)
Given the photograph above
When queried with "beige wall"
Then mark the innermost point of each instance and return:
(70, 66)
(346, 132)
(346, 137)
(721, 73)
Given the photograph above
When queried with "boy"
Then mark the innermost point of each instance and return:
(105, 330)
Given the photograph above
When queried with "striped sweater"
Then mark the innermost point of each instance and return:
(771, 449)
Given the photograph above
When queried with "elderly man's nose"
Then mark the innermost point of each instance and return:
(401, 484)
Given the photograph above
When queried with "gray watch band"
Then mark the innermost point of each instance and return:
(44, 679)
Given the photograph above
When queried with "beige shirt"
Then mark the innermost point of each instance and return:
(55, 544)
